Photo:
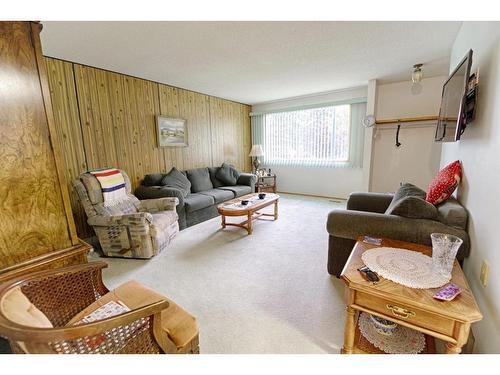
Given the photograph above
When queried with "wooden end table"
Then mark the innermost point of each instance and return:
(251, 211)
(266, 184)
(413, 308)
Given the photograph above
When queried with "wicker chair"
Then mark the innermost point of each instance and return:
(133, 228)
(41, 313)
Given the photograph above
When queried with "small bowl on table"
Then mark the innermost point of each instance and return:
(244, 202)
(262, 195)
(383, 326)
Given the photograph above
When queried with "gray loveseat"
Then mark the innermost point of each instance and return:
(366, 215)
(206, 192)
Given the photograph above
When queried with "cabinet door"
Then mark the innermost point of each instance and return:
(34, 218)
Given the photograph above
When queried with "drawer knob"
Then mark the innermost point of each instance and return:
(401, 312)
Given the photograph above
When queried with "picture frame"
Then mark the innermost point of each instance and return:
(171, 132)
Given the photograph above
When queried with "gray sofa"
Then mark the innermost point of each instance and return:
(205, 194)
(366, 215)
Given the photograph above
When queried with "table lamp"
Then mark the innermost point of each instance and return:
(255, 152)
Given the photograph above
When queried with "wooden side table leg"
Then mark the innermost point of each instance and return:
(249, 223)
(276, 210)
(349, 330)
(453, 348)
(462, 336)
(223, 224)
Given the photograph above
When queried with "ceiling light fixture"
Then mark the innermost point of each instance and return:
(417, 74)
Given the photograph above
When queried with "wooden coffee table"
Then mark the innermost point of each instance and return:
(251, 211)
(413, 308)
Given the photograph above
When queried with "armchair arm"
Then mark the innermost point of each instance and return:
(135, 219)
(352, 224)
(369, 202)
(248, 179)
(159, 204)
(154, 192)
(84, 331)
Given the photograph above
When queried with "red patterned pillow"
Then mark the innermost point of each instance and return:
(445, 183)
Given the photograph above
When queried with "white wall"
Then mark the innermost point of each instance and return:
(330, 182)
(478, 150)
(417, 159)
(327, 182)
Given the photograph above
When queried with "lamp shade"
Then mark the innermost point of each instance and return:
(256, 151)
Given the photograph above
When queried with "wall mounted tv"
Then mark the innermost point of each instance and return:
(455, 111)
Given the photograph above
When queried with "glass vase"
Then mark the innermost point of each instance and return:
(444, 251)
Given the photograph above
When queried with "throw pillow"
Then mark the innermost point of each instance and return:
(228, 174)
(405, 190)
(177, 180)
(414, 207)
(213, 172)
(445, 183)
(200, 179)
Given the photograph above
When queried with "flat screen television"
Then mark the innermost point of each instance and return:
(452, 117)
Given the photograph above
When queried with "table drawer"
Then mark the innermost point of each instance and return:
(405, 313)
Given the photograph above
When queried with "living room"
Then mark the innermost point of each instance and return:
(239, 186)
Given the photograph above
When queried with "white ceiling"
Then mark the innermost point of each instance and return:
(254, 62)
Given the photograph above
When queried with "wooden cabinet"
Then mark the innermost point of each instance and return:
(36, 223)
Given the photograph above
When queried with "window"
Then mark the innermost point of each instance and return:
(323, 136)
(310, 136)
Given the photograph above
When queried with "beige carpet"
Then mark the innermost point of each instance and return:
(265, 293)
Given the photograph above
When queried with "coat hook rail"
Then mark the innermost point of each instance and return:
(404, 120)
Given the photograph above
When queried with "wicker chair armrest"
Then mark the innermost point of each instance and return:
(135, 219)
(63, 292)
(35, 336)
(159, 204)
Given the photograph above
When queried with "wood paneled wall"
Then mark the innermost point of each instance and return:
(107, 119)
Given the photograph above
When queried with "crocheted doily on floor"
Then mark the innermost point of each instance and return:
(405, 267)
(402, 341)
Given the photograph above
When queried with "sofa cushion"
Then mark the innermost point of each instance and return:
(405, 190)
(178, 324)
(200, 179)
(452, 213)
(197, 201)
(178, 180)
(19, 309)
(413, 207)
(228, 174)
(215, 182)
(153, 179)
(219, 195)
(445, 183)
(238, 190)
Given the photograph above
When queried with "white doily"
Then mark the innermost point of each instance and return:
(402, 341)
(405, 267)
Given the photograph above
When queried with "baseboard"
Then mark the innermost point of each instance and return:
(314, 195)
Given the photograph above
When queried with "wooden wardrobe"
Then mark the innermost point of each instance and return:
(36, 224)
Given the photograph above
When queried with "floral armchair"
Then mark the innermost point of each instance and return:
(132, 228)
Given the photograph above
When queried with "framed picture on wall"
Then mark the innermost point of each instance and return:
(172, 132)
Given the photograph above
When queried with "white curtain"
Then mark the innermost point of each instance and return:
(326, 136)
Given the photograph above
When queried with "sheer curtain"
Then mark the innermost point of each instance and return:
(322, 136)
